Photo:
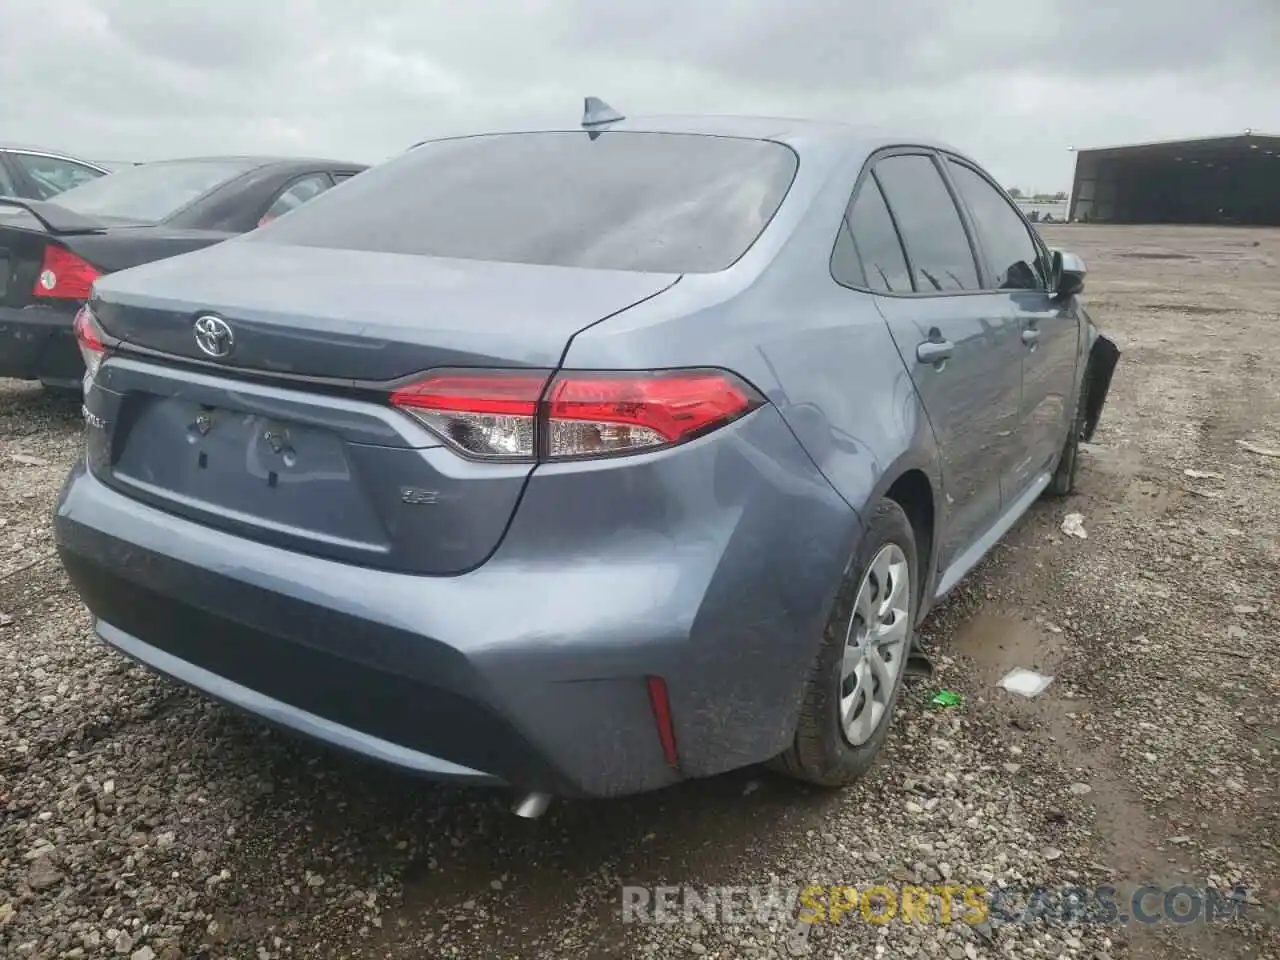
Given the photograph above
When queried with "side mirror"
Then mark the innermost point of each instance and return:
(1068, 275)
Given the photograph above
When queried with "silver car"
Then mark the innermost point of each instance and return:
(582, 461)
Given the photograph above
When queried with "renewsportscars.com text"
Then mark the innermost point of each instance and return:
(939, 903)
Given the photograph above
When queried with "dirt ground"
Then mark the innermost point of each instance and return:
(138, 820)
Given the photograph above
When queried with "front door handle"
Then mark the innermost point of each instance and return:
(1031, 336)
(935, 351)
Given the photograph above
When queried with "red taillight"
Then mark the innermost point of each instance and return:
(64, 275)
(90, 339)
(592, 414)
(516, 415)
(482, 414)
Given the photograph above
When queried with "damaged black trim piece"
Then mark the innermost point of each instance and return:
(1103, 357)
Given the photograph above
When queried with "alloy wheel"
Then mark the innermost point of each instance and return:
(875, 644)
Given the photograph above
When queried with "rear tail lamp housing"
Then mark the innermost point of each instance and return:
(573, 415)
(64, 275)
(91, 339)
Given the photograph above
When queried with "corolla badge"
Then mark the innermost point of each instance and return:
(213, 336)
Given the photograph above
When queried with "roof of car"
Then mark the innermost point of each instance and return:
(11, 146)
(265, 161)
(830, 136)
(789, 130)
(258, 160)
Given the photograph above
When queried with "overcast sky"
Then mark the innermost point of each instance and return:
(1015, 83)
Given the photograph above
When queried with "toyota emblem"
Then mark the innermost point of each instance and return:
(213, 336)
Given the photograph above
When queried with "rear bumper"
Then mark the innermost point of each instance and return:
(530, 670)
(38, 343)
(286, 715)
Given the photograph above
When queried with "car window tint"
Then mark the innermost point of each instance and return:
(620, 200)
(296, 194)
(876, 240)
(51, 176)
(1012, 254)
(153, 192)
(7, 188)
(846, 268)
(937, 245)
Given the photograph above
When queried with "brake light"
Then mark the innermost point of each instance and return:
(90, 339)
(481, 414)
(64, 275)
(518, 415)
(601, 413)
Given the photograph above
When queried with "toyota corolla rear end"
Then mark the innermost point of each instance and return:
(339, 474)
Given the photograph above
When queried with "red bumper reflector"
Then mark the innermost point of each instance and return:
(661, 704)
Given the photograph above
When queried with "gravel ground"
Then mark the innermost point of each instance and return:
(139, 821)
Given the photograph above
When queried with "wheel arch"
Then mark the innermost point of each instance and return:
(915, 484)
(913, 492)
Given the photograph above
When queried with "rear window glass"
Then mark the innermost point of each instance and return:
(152, 192)
(667, 203)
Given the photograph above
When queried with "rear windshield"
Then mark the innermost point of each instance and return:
(667, 203)
(151, 192)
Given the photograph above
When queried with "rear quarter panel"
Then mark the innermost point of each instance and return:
(822, 355)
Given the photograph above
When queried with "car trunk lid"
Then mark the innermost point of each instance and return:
(362, 316)
(290, 438)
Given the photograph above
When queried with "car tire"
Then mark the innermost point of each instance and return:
(823, 752)
(1063, 481)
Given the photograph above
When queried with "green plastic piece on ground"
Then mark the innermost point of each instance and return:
(945, 698)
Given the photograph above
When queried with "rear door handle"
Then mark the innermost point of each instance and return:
(935, 351)
(1031, 336)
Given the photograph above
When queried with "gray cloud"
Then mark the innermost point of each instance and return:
(1014, 82)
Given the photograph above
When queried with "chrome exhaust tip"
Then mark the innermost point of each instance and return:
(532, 805)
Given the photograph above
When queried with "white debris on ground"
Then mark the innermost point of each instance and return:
(1073, 526)
(1259, 450)
(1025, 683)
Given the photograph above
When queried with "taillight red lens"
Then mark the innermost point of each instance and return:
(593, 414)
(64, 275)
(90, 339)
(483, 414)
(515, 415)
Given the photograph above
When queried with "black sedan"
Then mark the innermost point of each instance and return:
(51, 251)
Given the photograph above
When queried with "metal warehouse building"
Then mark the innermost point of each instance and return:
(1210, 180)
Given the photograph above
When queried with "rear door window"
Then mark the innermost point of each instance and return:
(296, 194)
(846, 268)
(1014, 257)
(620, 200)
(52, 176)
(937, 246)
(876, 240)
